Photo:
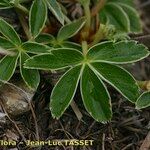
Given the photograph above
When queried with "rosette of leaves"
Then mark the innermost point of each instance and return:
(11, 42)
(92, 68)
(122, 15)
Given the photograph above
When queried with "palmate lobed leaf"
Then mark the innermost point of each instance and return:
(57, 59)
(97, 56)
(49, 40)
(95, 96)
(67, 31)
(8, 31)
(118, 53)
(64, 91)
(30, 77)
(37, 17)
(143, 101)
(8, 64)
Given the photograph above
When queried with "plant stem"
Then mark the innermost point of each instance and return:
(99, 35)
(22, 8)
(85, 32)
(24, 25)
(84, 47)
(97, 7)
(87, 15)
(17, 4)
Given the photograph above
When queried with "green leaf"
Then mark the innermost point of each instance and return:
(103, 17)
(58, 59)
(126, 2)
(45, 38)
(126, 7)
(7, 67)
(70, 29)
(119, 78)
(119, 53)
(56, 10)
(95, 96)
(6, 44)
(31, 77)
(64, 91)
(143, 101)
(135, 24)
(35, 48)
(37, 17)
(72, 45)
(8, 31)
(117, 17)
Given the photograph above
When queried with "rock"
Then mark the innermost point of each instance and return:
(2, 118)
(15, 97)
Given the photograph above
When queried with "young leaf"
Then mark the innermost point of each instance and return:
(57, 59)
(70, 30)
(6, 44)
(37, 17)
(143, 101)
(119, 78)
(7, 67)
(119, 53)
(56, 10)
(95, 96)
(8, 31)
(35, 48)
(31, 77)
(117, 17)
(64, 91)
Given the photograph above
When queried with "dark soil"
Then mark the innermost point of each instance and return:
(126, 131)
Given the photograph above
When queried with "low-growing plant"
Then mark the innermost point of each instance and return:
(91, 50)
